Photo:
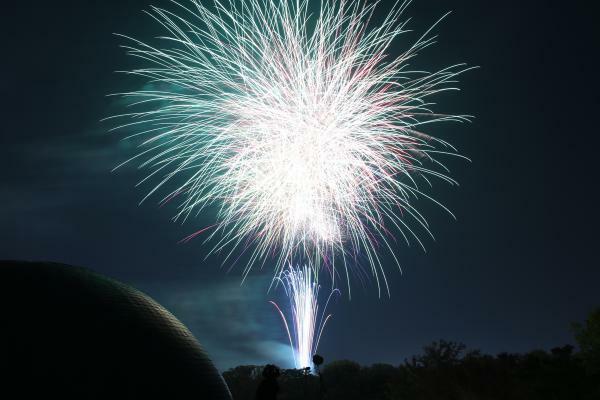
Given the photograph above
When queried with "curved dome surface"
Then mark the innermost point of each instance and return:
(71, 333)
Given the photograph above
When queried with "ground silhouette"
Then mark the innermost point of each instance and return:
(449, 371)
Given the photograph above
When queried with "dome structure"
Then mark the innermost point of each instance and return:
(67, 332)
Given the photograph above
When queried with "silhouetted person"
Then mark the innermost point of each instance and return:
(268, 387)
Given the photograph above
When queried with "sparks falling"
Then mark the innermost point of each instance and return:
(297, 125)
(305, 322)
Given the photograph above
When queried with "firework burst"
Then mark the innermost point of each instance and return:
(298, 126)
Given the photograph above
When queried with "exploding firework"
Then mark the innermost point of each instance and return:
(304, 318)
(296, 125)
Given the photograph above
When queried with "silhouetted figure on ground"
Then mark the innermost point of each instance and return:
(268, 387)
(318, 361)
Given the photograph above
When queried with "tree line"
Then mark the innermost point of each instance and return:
(447, 370)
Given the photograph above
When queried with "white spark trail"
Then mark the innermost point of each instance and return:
(306, 321)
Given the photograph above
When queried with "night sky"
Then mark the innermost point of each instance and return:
(510, 274)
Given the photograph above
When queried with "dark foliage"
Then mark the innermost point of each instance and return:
(447, 371)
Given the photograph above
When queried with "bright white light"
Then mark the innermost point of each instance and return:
(301, 126)
(305, 322)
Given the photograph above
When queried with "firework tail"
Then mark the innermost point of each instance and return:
(304, 322)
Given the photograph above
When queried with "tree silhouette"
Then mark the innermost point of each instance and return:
(447, 370)
(588, 339)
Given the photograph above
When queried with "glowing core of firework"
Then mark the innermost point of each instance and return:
(307, 323)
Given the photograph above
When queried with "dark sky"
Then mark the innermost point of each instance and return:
(510, 274)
